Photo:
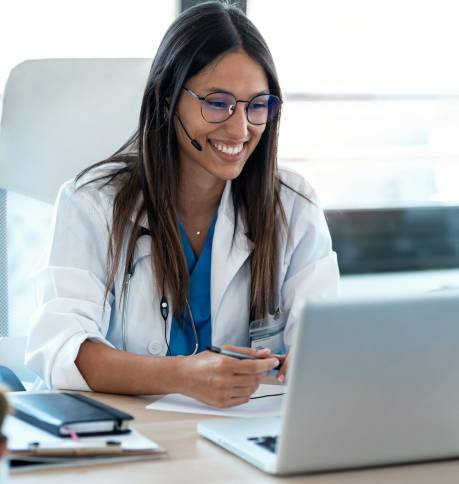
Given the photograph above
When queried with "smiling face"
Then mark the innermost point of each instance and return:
(225, 146)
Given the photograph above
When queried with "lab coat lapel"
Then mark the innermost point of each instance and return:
(227, 257)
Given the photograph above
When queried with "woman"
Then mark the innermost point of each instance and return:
(188, 235)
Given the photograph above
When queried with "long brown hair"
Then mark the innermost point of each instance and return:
(147, 178)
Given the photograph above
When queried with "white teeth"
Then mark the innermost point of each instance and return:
(229, 150)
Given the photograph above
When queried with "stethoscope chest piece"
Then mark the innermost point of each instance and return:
(164, 305)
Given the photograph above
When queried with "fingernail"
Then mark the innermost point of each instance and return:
(281, 378)
(275, 363)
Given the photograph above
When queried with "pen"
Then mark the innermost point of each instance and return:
(234, 354)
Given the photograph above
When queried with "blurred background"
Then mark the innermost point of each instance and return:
(370, 118)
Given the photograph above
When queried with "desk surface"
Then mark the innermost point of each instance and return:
(193, 459)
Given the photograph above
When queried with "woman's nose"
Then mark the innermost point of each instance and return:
(237, 124)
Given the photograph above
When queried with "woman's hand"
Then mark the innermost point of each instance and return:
(223, 381)
(264, 353)
(281, 376)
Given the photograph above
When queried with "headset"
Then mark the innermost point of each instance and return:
(193, 141)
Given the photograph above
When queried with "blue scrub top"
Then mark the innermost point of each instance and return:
(182, 340)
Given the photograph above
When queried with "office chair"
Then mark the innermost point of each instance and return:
(59, 116)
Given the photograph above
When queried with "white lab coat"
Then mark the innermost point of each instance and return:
(70, 288)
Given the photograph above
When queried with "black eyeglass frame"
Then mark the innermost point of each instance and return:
(247, 103)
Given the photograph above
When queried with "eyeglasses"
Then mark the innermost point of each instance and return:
(217, 107)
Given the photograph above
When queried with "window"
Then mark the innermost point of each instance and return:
(372, 97)
(28, 224)
(84, 28)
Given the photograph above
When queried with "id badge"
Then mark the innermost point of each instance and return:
(268, 332)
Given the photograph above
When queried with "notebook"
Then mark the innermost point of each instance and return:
(64, 414)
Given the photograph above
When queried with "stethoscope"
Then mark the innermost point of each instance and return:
(163, 305)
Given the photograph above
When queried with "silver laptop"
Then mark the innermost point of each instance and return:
(371, 382)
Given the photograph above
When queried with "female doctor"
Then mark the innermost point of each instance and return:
(187, 236)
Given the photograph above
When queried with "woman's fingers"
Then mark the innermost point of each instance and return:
(261, 353)
(244, 392)
(254, 367)
(223, 381)
(264, 353)
(283, 370)
(246, 380)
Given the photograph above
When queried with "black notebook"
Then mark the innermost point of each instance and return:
(63, 414)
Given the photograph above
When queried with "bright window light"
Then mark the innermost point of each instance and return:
(33, 29)
(371, 113)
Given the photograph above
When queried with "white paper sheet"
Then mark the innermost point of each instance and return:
(20, 434)
(256, 407)
(265, 390)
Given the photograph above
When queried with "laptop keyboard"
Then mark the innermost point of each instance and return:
(268, 442)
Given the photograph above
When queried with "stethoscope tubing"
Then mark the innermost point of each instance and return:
(131, 269)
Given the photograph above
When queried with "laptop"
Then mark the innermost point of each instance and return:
(370, 382)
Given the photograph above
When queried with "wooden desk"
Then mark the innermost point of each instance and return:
(193, 459)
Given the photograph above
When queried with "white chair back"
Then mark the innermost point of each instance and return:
(61, 115)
